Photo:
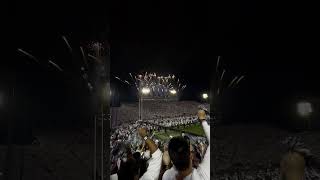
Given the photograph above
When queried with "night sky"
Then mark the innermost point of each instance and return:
(43, 96)
(166, 38)
(260, 41)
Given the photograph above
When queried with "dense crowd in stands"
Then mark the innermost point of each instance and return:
(137, 154)
(128, 112)
(173, 121)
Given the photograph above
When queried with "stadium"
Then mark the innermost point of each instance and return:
(157, 107)
(157, 110)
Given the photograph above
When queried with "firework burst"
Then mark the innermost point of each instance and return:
(159, 85)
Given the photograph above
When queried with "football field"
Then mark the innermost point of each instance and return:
(194, 129)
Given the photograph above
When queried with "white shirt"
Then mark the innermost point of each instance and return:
(203, 171)
(114, 177)
(154, 166)
(153, 170)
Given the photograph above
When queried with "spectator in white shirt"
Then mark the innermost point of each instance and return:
(130, 170)
(181, 156)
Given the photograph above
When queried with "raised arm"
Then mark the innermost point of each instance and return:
(204, 167)
(206, 128)
(155, 161)
(151, 145)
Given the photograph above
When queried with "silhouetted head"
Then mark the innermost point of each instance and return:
(179, 152)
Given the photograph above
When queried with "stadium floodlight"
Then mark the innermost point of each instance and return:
(205, 96)
(145, 90)
(173, 91)
(304, 109)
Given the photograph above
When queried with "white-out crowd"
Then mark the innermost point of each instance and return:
(126, 135)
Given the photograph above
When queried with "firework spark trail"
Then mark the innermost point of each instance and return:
(239, 80)
(66, 41)
(137, 87)
(218, 92)
(95, 58)
(125, 81)
(131, 76)
(222, 74)
(119, 79)
(29, 55)
(233, 81)
(217, 63)
(55, 65)
(84, 57)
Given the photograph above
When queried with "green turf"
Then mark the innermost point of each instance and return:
(195, 129)
(164, 136)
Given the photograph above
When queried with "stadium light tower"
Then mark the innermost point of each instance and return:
(145, 90)
(173, 91)
(304, 109)
(205, 96)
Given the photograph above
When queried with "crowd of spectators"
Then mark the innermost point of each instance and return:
(174, 121)
(137, 154)
(129, 112)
